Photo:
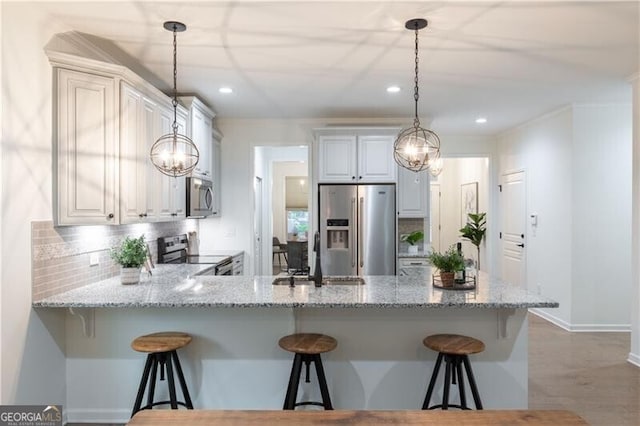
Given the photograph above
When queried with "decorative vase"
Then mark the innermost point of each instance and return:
(447, 278)
(413, 249)
(130, 275)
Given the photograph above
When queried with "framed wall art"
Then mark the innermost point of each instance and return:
(468, 201)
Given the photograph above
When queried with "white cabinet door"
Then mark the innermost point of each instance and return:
(170, 192)
(85, 151)
(201, 127)
(375, 159)
(413, 193)
(136, 126)
(337, 158)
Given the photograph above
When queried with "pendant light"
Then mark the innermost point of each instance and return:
(436, 166)
(416, 148)
(174, 154)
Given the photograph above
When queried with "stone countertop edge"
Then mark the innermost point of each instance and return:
(174, 286)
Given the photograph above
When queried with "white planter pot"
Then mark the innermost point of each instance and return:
(413, 249)
(129, 275)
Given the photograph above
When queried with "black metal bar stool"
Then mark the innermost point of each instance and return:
(454, 349)
(161, 349)
(307, 348)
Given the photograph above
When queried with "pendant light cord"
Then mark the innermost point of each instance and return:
(175, 82)
(416, 95)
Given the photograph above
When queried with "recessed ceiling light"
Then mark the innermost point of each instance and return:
(481, 120)
(393, 89)
(225, 90)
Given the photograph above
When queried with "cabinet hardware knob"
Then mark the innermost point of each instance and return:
(110, 216)
(520, 245)
(174, 214)
(359, 177)
(353, 178)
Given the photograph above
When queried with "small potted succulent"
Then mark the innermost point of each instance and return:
(413, 239)
(130, 255)
(447, 263)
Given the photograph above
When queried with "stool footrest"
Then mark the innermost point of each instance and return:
(309, 403)
(433, 407)
(149, 406)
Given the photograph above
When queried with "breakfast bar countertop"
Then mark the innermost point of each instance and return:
(179, 286)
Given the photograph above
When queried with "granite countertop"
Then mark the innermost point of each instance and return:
(178, 286)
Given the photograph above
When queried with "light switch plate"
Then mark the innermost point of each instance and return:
(94, 259)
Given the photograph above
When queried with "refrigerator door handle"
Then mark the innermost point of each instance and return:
(353, 224)
(360, 232)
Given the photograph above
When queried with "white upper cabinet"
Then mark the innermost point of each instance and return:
(169, 193)
(413, 193)
(136, 128)
(375, 159)
(355, 158)
(337, 158)
(85, 149)
(200, 128)
(106, 119)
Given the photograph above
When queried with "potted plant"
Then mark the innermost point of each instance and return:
(130, 255)
(447, 263)
(474, 231)
(413, 239)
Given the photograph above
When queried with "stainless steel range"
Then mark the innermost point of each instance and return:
(173, 249)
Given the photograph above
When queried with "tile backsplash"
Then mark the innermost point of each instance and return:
(60, 255)
(406, 226)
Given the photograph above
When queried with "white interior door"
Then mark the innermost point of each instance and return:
(513, 214)
(257, 227)
(434, 218)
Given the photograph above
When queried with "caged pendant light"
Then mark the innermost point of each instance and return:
(174, 154)
(416, 148)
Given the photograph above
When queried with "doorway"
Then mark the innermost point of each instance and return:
(285, 202)
(462, 187)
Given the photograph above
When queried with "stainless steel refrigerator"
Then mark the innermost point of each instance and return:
(358, 229)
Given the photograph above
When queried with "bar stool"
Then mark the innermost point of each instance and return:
(307, 347)
(161, 349)
(454, 349)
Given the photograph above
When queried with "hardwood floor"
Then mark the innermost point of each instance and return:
(586, 373)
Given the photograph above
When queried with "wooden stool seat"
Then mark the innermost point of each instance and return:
(453, 344)
(454, 350)
(308, 343)
(165, 341)
(161, 349)
(307, 348)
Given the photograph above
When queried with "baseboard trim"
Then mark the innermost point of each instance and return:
(98, 416)
(634, 359)
(581, 328)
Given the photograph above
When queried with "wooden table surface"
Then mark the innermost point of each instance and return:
(349, 417)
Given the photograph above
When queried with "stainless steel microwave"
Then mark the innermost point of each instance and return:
(199, 197)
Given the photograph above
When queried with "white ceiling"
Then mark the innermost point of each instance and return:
(507, 60)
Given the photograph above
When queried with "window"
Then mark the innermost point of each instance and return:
(297, 223)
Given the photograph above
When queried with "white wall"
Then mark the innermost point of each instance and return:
(634, 353)
(33, 371)
(601, 223)
(567, 156)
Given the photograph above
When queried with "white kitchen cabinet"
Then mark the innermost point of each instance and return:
(85, 147)
(200, 129)
(356, 158)
(413, 193)
(137, 132)
(169, 192)
(238, 264)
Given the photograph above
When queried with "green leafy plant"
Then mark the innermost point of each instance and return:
(475, 230)
(449, 261)
(131, 253)
(413, 238)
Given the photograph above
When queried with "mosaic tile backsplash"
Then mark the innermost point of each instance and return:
(60, 255)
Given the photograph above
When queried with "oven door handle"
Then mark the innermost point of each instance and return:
(208, 198)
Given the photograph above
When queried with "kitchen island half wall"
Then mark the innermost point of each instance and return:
(234, 361)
